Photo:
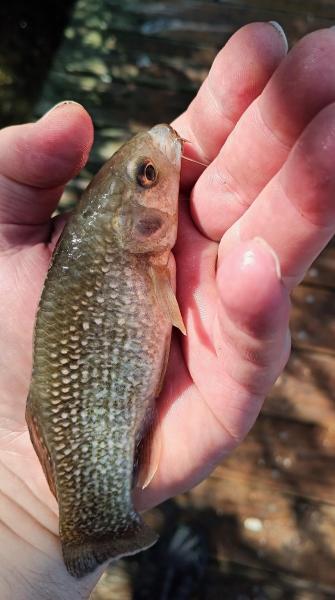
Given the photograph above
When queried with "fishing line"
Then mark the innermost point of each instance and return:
(195, 161)
(198, 162)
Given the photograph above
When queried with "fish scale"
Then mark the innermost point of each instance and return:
(97, 395)
(101, 340)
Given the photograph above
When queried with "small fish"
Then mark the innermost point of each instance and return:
(102, 340)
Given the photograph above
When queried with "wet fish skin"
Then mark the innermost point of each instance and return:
(101, 344)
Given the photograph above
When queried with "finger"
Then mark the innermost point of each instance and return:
(303, 85)
(237, 336)
(37, 159)
(238, 75)
(22, 204)
(295, 212)
(49, 152)
(250, 347)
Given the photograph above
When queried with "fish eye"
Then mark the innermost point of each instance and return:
(146, 174)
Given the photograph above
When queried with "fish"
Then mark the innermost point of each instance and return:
(101, 346)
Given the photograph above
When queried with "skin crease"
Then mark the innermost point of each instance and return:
(234, 304)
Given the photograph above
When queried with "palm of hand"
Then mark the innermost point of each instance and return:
(234, 303)
(23, 274)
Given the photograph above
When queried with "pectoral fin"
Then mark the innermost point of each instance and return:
(166, 297)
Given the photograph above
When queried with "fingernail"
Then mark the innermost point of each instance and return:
(281, 32)
(268, 248)
(59, 104)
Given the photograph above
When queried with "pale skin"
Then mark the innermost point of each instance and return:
(265, 123)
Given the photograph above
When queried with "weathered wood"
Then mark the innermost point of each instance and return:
(313, 319)
(296, 458)
(250, 525)
(321, 273)
(224, 579)
(305, 391)
(173, 43)
(206, 22)
(229, 581)
(252, 533)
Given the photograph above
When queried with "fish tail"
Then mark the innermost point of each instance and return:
(83, 557)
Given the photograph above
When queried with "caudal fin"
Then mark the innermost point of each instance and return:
(83, 558)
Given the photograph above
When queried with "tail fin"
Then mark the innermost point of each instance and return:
(83, 558)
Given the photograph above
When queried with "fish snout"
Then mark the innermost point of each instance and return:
(168, 141)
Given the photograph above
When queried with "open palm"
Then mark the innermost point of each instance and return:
(250, 225)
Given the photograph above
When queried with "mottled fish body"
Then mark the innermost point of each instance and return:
(102, 339)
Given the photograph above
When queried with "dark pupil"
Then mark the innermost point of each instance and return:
(150, 172)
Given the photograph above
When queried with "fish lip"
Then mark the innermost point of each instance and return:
(168, 141)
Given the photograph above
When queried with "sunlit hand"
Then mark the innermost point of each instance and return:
(269, 136)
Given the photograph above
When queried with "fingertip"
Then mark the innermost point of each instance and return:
(61, 104)
(69, 114)
(66, 130)
(251, 291)
(281, 33)
(269, 32)
(270, 252)
(49, 152)
(302, 85)
(255, 50)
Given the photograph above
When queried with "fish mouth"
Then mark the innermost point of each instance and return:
(168, 141)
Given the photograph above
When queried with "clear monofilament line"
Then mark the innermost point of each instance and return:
(194, 161)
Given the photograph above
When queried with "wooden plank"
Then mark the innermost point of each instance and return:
(250, 532)
(296, 458)
(180, 18)
(114, 583)
(313, 318)
(175, 42)
(222, 579)
(248, 524)
(306, 390)
(230, 581)
(132, 102)
(321, 272)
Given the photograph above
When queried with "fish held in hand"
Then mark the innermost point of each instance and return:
(102, 340)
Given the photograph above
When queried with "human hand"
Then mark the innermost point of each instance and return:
(271, 177)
